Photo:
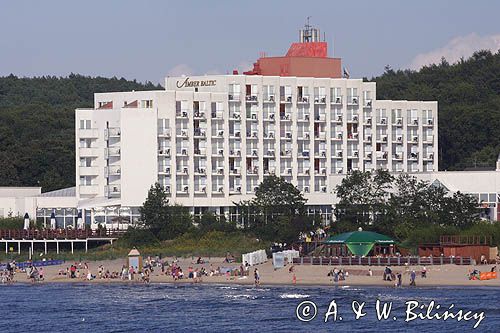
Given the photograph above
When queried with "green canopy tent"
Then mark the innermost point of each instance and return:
(360, 242)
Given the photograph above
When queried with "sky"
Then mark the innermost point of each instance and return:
(148, 40)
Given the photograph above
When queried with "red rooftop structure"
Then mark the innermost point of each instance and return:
(307, 58)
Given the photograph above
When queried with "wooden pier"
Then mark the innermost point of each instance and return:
(59, 236)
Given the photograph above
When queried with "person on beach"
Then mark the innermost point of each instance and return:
(257, 277)
(40, 273)
(400, 279)
(424, 272)
(413, 276)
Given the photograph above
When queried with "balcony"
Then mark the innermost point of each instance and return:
(200, 152)
(200, 189)
(398, 156)
(269, 135)
(320, 154)
(235, 152)
(303, 136)
(89, 133)
(183, 114)
(182, 152)
(219, 171)
(217, 115)
(251, 99)
(270, 153)
(235, 190)
(252, 135)
(428, 122)
(367, 103)
(253, 153)
(235, 171)
(368, 121)
(182, 189)
(88, 152)
(287, 153)
(382, 121)
(235, 116)
(413, 156)
(164, 151)
(200, 133)
(182, 133)
(352, 100)
(252, 116)
(88, 189)
(303, 99)
(353, 154)
(233, 97)
(164, 170)
(320, 136)
(286, 135)
(429, 157)
(270, 117)
(399, 122)
(320, 99)
(353, 136)
(88, 171)
(382, 155)
(112, 171)
(413, 122)
(320, 118)
(164, 132)
(200, 171)
(353, 119)
(337, 118)
(199, 115)
(285, 117)
(286, 98)
(336, 100)
(112, 190)
(253, 171)
(111, 152)
(268, 98)
(429, 139)
(303, 118)
(112, 132)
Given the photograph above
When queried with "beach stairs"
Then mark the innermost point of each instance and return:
(316, 252)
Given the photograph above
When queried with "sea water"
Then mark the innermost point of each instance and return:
(233, 308)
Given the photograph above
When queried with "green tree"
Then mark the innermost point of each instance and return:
(164, 221)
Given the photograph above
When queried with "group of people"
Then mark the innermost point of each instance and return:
(389, 275)
(338, 274)
(33, 273)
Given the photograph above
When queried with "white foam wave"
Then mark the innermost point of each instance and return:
(294, 296)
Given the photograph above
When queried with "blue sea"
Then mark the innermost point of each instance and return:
(231, 308)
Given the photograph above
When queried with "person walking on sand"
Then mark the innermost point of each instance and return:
(413, 275)
(257, 277)
(400, 279)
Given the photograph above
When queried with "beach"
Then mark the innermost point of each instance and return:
(437, 275)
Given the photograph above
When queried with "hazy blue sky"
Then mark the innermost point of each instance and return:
(147, 40)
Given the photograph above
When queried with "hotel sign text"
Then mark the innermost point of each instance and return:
(192, 84)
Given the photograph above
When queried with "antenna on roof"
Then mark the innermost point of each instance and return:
(308, 33)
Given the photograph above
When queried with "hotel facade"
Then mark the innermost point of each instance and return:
(211, 140)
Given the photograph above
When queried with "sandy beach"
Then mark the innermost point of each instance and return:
(446, 275)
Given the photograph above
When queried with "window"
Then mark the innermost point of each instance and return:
(147, 104)
(85, 180)
(85, 124)
(85, 161)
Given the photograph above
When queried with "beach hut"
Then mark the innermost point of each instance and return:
(135, 260)
(360, 243)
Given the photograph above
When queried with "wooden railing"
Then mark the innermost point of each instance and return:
(59, 234)
(383, 261)
(465, 240)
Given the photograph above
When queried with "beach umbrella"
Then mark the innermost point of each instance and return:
(360, 242)
(26, 221)
(79, 221)
(52, 221)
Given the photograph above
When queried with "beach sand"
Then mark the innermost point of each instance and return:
(445, 275)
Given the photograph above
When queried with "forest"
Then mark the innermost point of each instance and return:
(37, 146)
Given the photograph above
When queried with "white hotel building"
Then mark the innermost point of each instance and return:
(211, 140)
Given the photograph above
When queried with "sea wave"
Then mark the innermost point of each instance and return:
(294, 296)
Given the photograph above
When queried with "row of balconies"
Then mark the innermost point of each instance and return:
(253, 98)
(219, 189)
